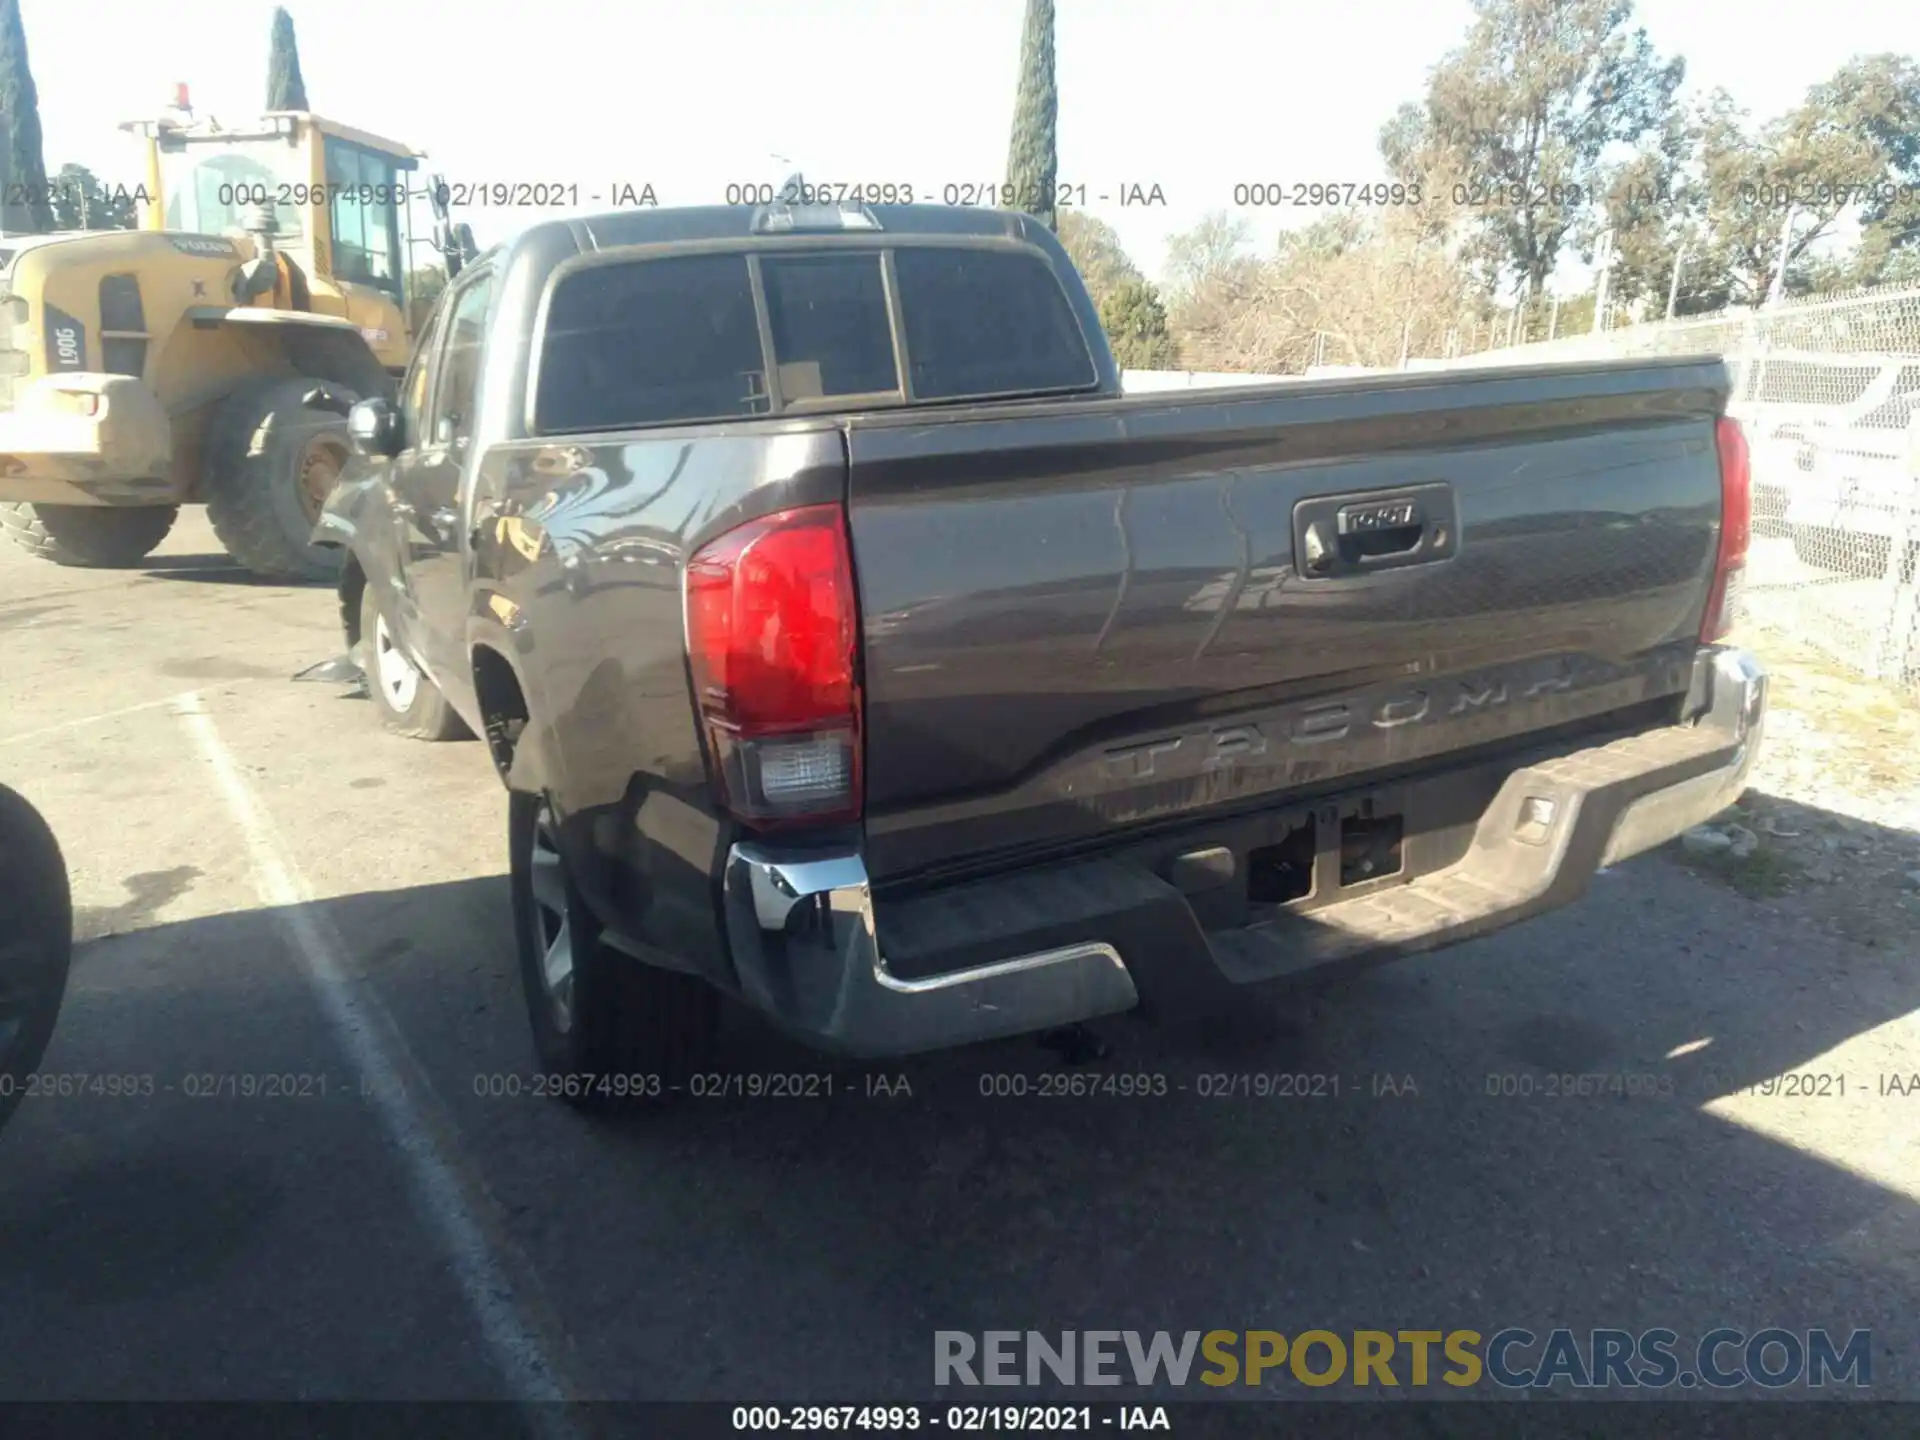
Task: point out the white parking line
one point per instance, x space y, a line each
182 698
373 1044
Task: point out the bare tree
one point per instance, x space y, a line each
1214 247
1097 253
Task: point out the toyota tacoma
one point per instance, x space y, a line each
850 646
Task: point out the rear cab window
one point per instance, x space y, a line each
986 322
827 315
680 338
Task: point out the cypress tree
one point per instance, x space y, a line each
286 90
1033 161
27 206
1136 326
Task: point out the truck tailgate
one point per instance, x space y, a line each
1083 619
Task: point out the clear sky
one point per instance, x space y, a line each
1194 96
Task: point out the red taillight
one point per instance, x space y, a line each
1736 528
772 638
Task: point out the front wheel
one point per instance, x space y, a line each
409 703
610 1030
88 537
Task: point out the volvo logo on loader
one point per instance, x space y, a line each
208 245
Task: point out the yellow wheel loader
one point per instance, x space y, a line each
211 356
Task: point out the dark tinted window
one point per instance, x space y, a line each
828 314
985 322
650 343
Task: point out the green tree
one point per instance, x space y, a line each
1136 326
81 202
1574 316
1326 237
1096 251
23 167
1879 97
286 89
1033 158
1653 205
1526 110
1719 194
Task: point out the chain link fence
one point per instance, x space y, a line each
1828 391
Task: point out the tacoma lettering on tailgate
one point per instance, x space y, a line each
1222 746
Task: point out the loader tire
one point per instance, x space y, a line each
270 459
91 537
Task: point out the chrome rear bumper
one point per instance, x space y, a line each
803 936
803 939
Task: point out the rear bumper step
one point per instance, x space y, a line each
1053 945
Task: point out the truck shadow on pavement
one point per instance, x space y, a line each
1573 1122
213 569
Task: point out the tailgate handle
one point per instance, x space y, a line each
1349 534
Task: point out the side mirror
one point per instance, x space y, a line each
375 428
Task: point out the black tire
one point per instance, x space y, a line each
36 943
423 714
90 537
629 1033
263 443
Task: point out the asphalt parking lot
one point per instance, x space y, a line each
295 954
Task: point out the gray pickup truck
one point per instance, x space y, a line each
848 644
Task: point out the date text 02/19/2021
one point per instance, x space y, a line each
960 1419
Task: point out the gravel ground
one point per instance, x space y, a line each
1831 816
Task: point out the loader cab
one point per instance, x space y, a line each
338 199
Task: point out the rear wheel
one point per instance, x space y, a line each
609 1029
409 703
272 459
100 537
36 943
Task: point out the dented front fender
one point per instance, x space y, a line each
358 518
